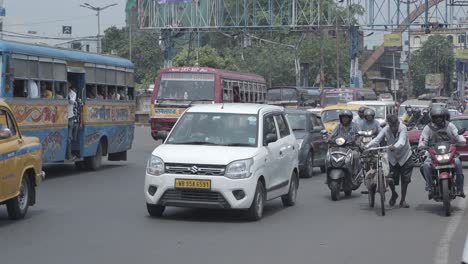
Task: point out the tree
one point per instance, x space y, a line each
207 57
435 56
146 54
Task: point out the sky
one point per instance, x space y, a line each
47 17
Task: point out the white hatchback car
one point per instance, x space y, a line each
232 156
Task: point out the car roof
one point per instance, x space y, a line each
233 108
373 102
342 107
297 111
462 116
416 103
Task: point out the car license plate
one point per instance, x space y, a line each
193 184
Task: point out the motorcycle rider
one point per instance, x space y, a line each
414 118
369 122
425 118
362 118
440 129
407 116
399 157
349 131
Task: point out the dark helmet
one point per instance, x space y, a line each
438 112
417 111
362 109
369 112
346 113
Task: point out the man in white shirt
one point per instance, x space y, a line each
33 90
71 118
399 157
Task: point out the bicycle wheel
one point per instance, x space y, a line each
381 190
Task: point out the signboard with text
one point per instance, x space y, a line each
434 81
392 42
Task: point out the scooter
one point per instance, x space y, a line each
339 164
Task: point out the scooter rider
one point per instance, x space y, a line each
362 118
369 122
349 131
437 131
399 157
425 118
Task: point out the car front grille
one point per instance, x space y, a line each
195 169
193 198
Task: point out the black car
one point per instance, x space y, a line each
313 148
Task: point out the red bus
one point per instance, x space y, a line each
345 95
178 88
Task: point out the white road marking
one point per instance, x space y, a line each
442 253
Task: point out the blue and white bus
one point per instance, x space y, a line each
34 83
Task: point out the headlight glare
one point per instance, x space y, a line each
340 141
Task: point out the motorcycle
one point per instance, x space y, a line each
339 163
444 188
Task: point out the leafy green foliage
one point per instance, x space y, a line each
435 56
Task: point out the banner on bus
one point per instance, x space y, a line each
392 42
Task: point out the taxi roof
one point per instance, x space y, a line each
342 107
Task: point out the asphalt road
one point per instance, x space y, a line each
100 217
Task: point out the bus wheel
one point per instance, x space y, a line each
95 162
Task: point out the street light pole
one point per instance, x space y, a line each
98 11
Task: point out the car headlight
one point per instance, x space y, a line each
299 142
340 141
155 166
239 169
443 158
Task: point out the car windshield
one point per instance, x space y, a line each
460 123
215 129
332 115
297 121
186 86
283 94
379 111
338 98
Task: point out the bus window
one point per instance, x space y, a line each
101 92
19 88
122 93
46 90
60 91
236 94
91 91
130 93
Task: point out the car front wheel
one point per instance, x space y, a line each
255 211
290 198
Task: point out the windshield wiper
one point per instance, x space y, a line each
238 145
298 129
194 143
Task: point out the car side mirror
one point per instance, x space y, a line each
383 124
461 131
270 138
5 133
162 135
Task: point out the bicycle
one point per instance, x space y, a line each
377 184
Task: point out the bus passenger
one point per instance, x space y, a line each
45 91
71 119
33 90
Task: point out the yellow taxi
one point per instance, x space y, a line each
20 165
330 114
